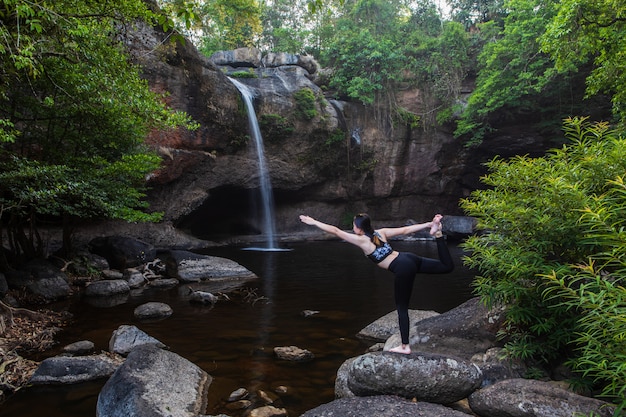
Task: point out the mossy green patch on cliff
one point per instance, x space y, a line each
336 136
249 73
305 103
408 118
275 127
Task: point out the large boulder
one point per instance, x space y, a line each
531 398
107 287
278 59
386 326
122 252
381 406
427 377
241 57
154 382
41 278
192 267
464 331
126 338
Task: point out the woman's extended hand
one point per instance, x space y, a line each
307 219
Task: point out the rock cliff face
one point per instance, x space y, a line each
328 158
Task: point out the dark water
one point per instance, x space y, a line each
234 340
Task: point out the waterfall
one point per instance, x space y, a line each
265 185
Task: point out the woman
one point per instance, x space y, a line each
404 265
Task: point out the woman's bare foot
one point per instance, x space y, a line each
404 349
435 229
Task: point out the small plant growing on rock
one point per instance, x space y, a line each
275 126
249 73
305 103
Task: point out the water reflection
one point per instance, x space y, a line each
233 341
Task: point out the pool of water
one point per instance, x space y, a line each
234 340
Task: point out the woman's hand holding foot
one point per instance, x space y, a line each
435 229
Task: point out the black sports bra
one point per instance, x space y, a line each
381 252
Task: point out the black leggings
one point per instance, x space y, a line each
405 266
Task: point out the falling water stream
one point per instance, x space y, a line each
265 184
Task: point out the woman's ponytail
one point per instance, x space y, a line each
363 222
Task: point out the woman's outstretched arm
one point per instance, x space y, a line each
329 228
407 230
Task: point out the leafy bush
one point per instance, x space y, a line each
553 252
305 103
595 291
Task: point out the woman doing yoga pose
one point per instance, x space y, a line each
375 245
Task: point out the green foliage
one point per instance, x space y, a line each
275 126
595 291
337 136
412 120
512 71
88 192
472 12
249 73
228 24
74 115
591 31
365 64
367 57
552 251
305 103
365 165
286 27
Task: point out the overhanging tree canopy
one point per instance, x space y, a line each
73 115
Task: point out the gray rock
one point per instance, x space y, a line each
74 369
341 380
154 382
41 278
293 353
79 348
278 59
495 366
122 252
386 326
464 331
381 406
427 377
531 398
153 310
191 267
164 282
268 411
126 338
241 57
202 297
112 274
238 394
52 288
134 278
107 287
